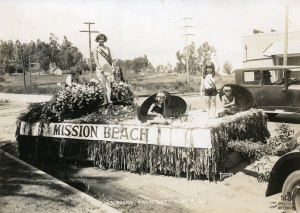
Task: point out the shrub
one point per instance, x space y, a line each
11 69
19 70
2 79
275 146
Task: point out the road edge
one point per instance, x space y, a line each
92 200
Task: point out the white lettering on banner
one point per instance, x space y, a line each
127 134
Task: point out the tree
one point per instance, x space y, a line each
192 60
191 57
158 68
227 67
140 64
83 64
150 67
65 55
168 68
69 54
10 49
205 51
179 68
4 56
55 49
28 51
43 54
128 65
11 69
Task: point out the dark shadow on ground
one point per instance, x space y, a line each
10 147
14 176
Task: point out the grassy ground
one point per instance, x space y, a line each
146 84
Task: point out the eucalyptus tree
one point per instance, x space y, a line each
205 53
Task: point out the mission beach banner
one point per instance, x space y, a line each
197 138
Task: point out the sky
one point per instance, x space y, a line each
150 27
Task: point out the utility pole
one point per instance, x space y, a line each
23 67
29 67
89 23
186 49
286 36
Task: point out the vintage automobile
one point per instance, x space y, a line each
275 89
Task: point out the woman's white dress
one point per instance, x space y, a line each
103 59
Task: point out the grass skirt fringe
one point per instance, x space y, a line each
146 158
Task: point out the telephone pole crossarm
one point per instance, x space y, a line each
89 31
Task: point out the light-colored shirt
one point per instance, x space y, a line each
209 81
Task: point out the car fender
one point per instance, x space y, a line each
286 165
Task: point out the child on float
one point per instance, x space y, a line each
157 109
72 80
228 101
210 90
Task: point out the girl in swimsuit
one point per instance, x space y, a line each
103 62
156 110
210 89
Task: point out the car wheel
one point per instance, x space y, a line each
272 115
292 186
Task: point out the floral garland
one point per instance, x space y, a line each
83 102
278 145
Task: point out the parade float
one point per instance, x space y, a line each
74 125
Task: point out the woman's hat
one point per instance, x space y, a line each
243 98
173 105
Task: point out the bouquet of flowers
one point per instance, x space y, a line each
122 91
78 101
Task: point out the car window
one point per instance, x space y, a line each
252 77
293 78
273 77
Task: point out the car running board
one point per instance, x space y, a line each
281 112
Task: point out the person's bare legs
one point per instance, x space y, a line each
207 101
213 106
103 81
108 88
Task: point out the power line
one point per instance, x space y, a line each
186 49
44 51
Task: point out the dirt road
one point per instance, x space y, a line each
129 192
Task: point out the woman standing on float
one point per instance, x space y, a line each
103 62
